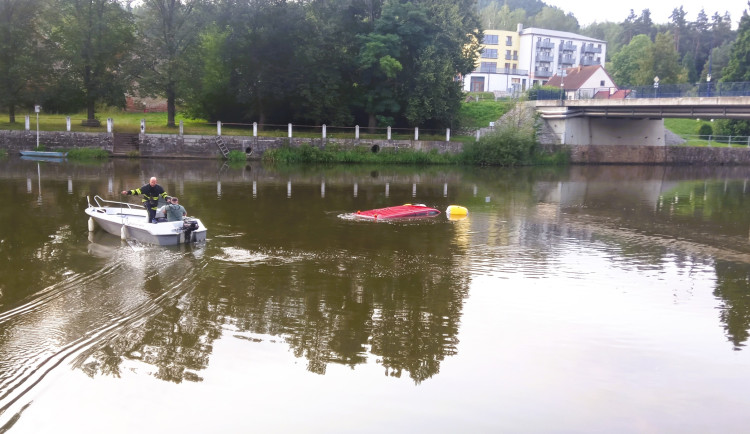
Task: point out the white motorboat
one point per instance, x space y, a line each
130 221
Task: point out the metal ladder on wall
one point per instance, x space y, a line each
222 147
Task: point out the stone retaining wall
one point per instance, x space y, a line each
190 146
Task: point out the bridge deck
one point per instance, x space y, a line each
655 108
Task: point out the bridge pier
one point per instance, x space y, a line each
583 130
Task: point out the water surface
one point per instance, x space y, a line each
582 299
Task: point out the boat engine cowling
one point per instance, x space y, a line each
188 227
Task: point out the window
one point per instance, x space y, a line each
490 67
490 39
489 53
507 66
508 40
601 83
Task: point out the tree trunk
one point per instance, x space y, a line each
12 114
372 122
171 111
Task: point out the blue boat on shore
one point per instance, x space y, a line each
44 154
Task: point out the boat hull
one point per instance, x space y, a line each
136 226
44 154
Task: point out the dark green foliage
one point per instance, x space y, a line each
704 131
732 127
504 147
356 155
87 154
236 155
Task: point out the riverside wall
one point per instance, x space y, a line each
192 146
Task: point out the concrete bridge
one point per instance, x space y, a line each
631 121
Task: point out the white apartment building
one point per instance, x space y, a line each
511 62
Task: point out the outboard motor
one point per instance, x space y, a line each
188 227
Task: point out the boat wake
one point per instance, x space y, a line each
61 324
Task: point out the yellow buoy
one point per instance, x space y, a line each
456 212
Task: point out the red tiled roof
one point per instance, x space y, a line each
575 77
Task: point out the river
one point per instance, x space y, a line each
577 299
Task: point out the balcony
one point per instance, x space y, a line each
511 71
545 44
511 57
591 49
544 57
542 73
589 61
567 60
568 47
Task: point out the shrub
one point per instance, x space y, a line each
87 154
506 146
236 156
704 131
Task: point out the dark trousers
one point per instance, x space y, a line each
151 213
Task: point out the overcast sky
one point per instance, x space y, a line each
587 11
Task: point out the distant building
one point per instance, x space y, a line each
497 67
514 61
584 82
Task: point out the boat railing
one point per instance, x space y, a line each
101 202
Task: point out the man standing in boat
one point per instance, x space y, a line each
151 193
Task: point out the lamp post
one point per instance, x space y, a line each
656 86
37 109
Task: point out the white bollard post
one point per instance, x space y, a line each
477 135
389 132
448 135
289 128
182 128
255 129
109 125
356 131
324 131
28 123
143 126
218 128
67 123
416 133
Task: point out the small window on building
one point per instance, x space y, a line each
601 83
508 40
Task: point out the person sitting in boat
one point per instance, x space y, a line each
174 211
161 214
151 193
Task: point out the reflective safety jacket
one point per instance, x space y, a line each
150 194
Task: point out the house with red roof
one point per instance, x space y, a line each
584 82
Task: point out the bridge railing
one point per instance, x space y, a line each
662 91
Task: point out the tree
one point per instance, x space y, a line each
666 60
502 18
717 61
738 69
169 29
678 25
555 19
19 42
438 40
94 38
633 64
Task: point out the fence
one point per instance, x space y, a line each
715 139
660 91
134 125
